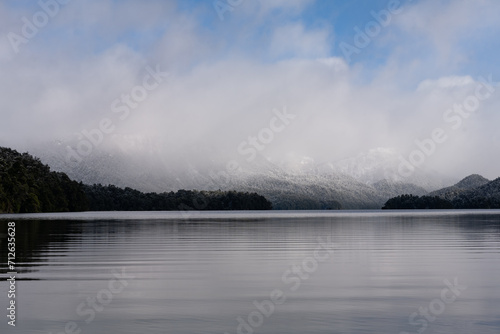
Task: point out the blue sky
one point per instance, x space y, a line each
246 29
264 54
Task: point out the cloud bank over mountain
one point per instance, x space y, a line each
424 79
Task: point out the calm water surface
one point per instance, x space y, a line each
293 272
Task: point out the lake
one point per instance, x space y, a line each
254 272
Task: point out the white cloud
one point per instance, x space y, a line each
220 92
447 23
446 82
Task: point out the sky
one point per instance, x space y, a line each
324 79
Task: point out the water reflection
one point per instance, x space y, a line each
215 276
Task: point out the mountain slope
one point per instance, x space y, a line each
485 196
383 164
389 189
470 193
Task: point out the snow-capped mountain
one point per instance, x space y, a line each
365 181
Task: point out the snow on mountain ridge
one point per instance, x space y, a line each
375 165
147 165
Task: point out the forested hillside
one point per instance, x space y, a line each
28 186
470 182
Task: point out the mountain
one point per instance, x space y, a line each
363 182
470 182
484 196
383 163
473 192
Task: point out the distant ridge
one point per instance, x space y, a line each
470 182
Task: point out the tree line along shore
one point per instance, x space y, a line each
29 186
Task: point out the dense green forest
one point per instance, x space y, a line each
484 197
28 186
111 198
416 202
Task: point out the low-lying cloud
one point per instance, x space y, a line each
226 79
